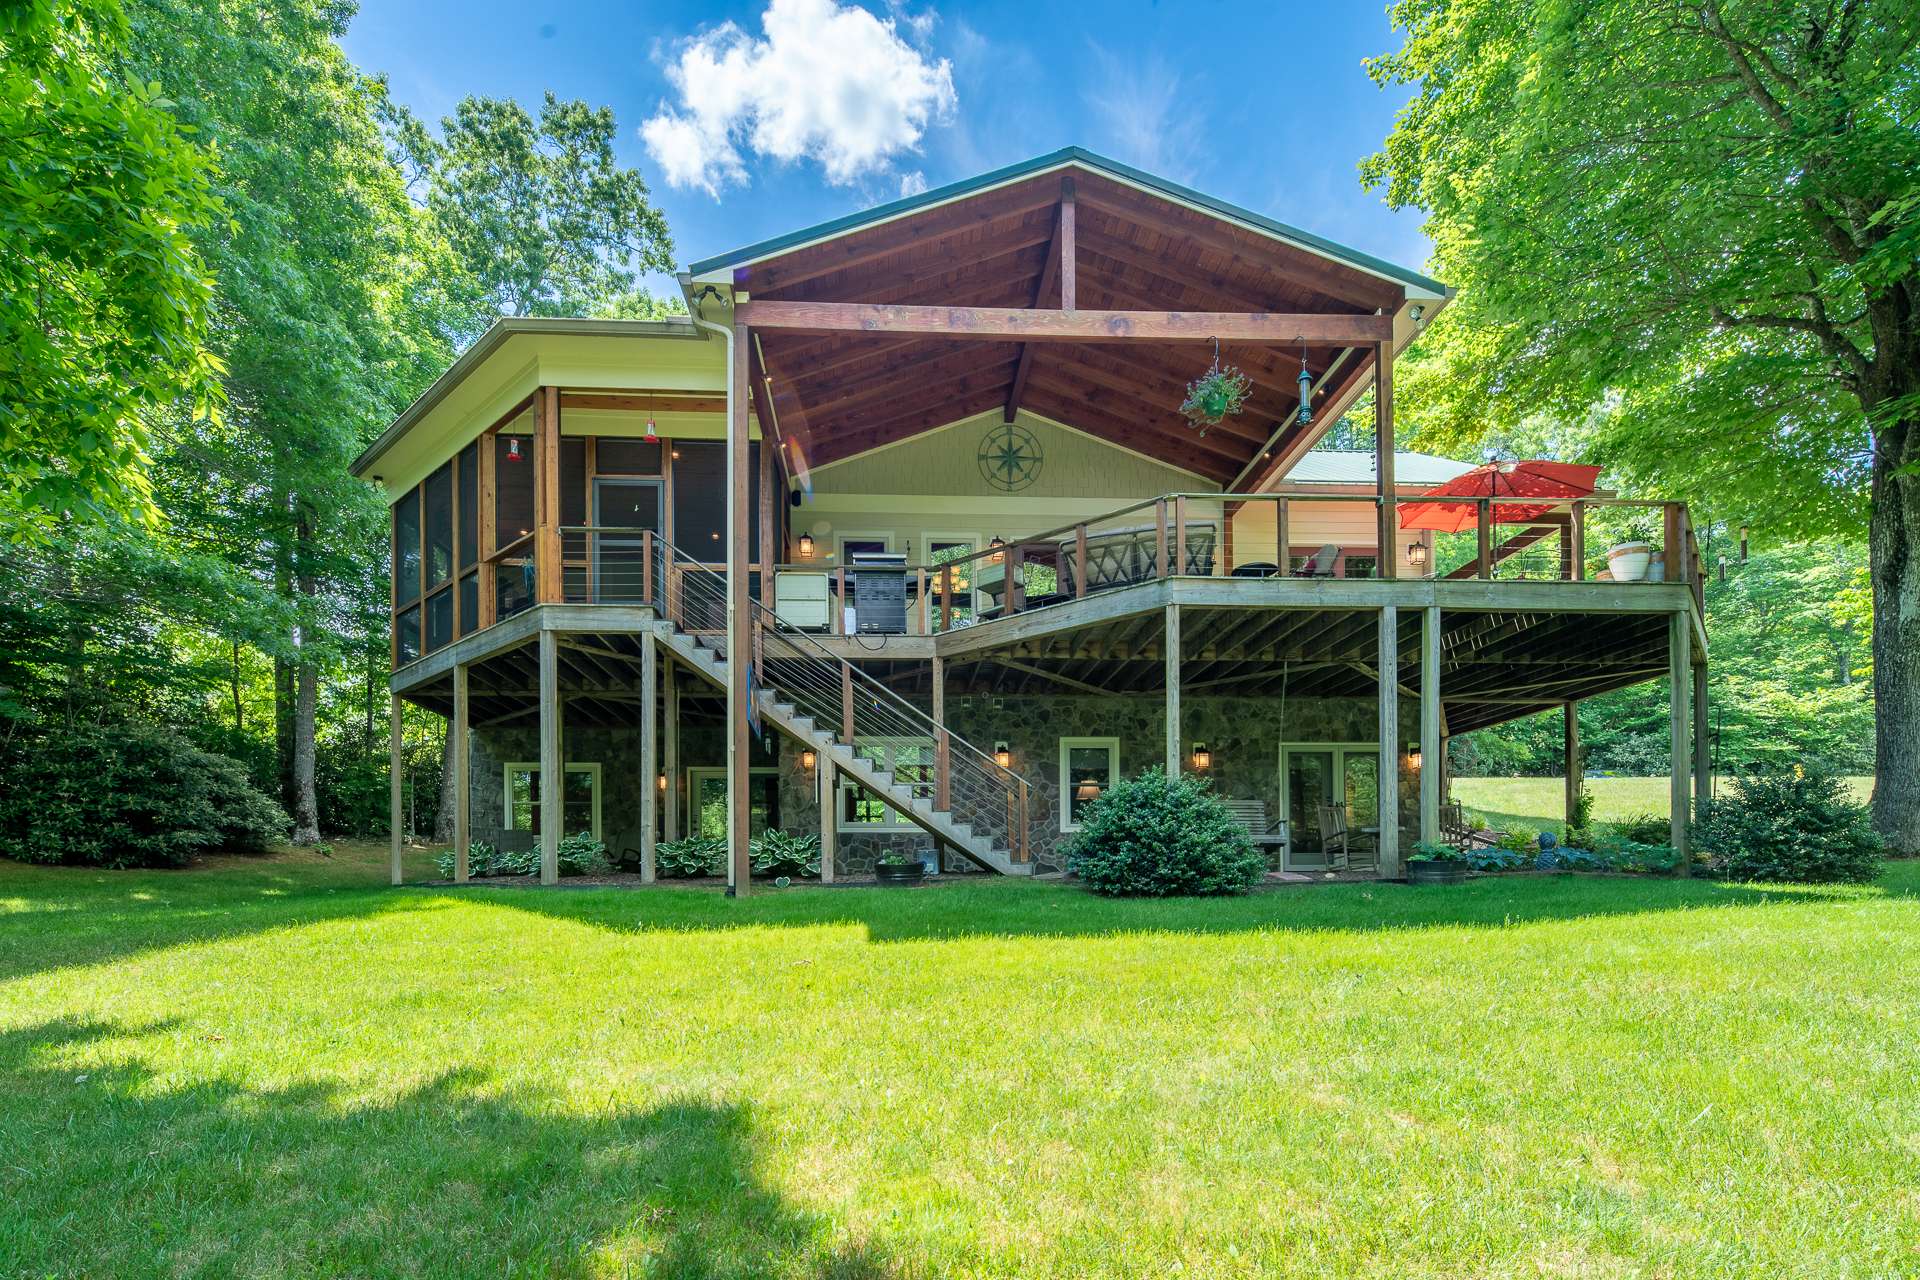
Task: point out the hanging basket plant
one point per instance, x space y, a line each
1216 395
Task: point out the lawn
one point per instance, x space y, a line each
1541 802
282 1068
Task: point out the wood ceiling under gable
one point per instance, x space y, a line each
841 394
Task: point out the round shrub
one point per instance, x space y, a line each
128 796
1800 826
1154 838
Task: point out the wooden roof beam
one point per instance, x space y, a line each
1002 323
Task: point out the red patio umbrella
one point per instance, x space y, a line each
1536 478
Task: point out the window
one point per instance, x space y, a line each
406 548
437 494
580 799
1088 767
1351 562
911 760
708 789
1316 774
940 550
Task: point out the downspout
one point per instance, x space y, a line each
737 775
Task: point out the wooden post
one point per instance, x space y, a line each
739 619
671 792
838 622
1430 746
646 567
829 820
1179 535
1389 779
552 761
395 809
649 750
1702 742
462 785
1483 523
1067 250
846 703
923 600
942 747
1577 539
1079 562
1160 538
1383 448
546 496
1673 549
1679 675
1016 577
1171 652
1574 758
1283 552
489 513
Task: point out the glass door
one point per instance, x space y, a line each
623 509
1310 784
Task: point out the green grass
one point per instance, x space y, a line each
281 1068
1541 802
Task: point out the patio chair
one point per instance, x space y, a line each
1345 851
1320 564
1458 832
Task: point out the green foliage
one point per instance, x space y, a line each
1518 840
1797 825
1214 396
773 853
691 856
1639 828
580 854
483 859
899 858
1431 851
1481 858
103 299
1652 857
1152 837
127 796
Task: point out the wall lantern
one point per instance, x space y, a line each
513 449
807 759
661 782
1202 758
1417 554
997 546
1003 755
653 434
1413 756
806 546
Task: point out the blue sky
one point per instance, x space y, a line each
750 120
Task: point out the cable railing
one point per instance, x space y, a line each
917 754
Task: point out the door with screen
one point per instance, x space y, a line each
623 510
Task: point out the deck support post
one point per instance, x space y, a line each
1574 757
1702 742
649 750
1171 647
552 760
739 616
547 553
395 809
670 794
829 820
1680 681
1383 452
1389 769
457 748
1430 745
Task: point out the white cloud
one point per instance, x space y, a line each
828 82
912 184
1147 119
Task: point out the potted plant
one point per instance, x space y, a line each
1431 863
1216 395
1627 560
896 868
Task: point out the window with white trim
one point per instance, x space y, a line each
1088 767
579 798
910 759
707 788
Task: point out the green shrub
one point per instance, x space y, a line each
129 796
693 856
1519 840
483 859
1432 851
1640 828
1153 837
1799 826
579 855
775 853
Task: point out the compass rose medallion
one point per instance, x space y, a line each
1010 458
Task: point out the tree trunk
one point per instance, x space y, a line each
306 803
1893 543
444 816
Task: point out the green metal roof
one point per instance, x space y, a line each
1040 164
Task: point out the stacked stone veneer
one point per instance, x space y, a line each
1244 736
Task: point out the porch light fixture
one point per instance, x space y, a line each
1003 755
1305 416
1417 554
653 435
1413 756
997 546
808 759
1202 758
806 546
661 782
513 448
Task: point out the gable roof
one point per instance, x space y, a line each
1076 157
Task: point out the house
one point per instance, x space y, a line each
901 537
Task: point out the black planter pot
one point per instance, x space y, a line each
1437 871
898 874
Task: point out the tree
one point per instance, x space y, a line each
1698 221
103 301
539 216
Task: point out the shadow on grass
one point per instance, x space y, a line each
114 1170
1003 908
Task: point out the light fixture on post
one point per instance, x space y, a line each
998 547
806 546
1003 755
1305 416
1417 553
1202 758
808 759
